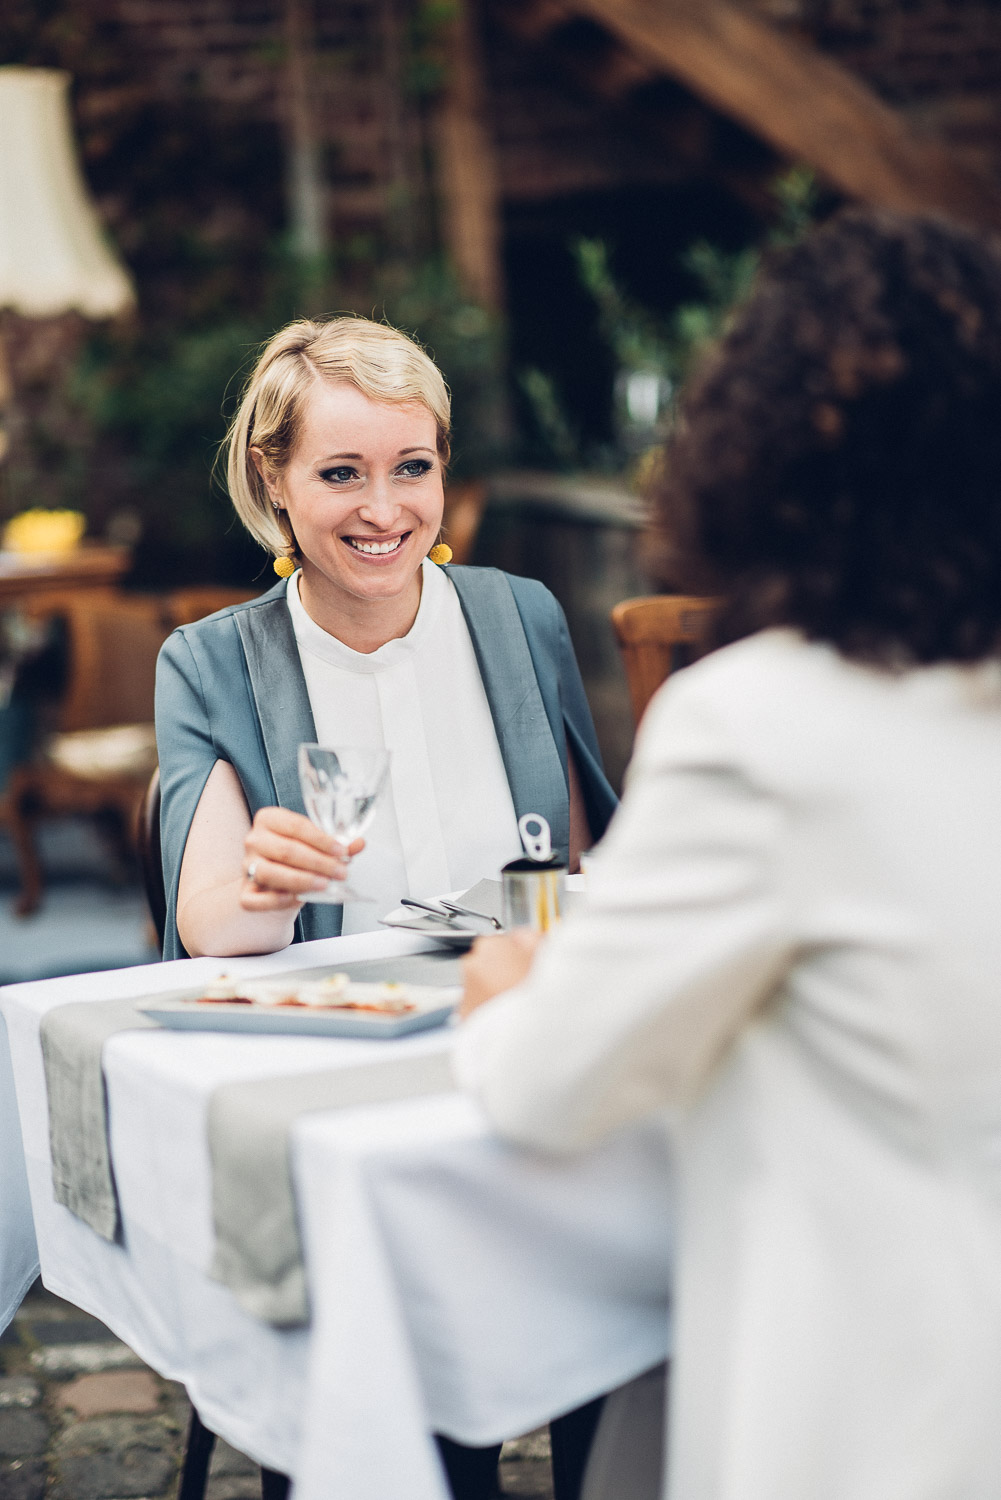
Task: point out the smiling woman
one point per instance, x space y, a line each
336 464
363 496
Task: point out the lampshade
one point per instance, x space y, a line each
54 257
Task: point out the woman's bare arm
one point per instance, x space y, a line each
219 910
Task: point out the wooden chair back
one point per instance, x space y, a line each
185 606
112 645
182 607
657 635
465 502
147 837
113 642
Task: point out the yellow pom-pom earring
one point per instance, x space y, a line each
283 566
441 553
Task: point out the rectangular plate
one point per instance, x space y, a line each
291 1020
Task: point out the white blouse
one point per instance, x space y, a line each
446 819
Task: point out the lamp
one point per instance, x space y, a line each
53 254
54 257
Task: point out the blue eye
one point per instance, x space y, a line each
415 468
343 474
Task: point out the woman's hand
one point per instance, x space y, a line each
285 857
494 964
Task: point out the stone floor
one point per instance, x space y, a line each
82 1418
92 916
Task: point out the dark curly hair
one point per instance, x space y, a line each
837 461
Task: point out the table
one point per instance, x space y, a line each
456 1284
25 575
18 1252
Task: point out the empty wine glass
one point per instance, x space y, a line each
340 788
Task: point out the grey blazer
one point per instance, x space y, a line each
231 688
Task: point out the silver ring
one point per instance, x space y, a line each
252 870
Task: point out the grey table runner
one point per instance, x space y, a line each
73 1038
258 1248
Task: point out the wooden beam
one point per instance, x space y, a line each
612 72
534 20
467 171
802 102
306 188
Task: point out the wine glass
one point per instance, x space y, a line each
340 788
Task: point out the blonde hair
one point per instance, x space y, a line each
377 360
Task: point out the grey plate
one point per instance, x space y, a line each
289 1020
452 935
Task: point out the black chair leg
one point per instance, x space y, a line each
570 1437
274 1486
197 1456
471 1472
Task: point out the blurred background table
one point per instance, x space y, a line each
38 577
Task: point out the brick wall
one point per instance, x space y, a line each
939 60
219 63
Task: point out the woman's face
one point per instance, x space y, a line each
364 493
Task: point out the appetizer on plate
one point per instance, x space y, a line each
336 992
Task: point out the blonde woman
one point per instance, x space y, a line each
336 463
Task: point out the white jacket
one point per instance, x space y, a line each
792 940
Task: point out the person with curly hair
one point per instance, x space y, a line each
791 942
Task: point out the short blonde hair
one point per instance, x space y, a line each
377 360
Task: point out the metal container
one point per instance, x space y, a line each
533 893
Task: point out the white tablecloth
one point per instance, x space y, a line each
456 1285
18 1254
461 1287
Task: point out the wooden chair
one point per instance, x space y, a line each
465 502
98 761
148 847
185 606
657 635
182 607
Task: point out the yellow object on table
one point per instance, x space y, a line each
44 531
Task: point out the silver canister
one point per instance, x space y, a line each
533 887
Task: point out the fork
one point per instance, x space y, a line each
432 911
467 911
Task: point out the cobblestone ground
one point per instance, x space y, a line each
82 1418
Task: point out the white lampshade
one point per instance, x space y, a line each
54 256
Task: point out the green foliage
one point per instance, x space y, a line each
154 400
725 278
669 347
636 336
798 198
640 340
550 418
158 400
426 301
427 68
